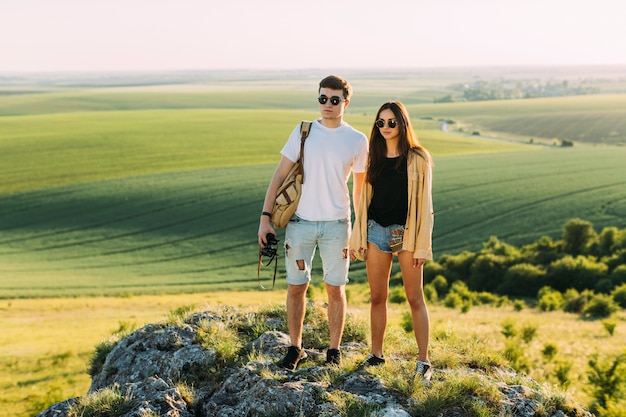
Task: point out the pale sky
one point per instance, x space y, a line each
138 35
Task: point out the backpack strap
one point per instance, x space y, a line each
305 128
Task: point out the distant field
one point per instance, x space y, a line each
597 119
51 149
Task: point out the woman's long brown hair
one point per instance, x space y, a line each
407 140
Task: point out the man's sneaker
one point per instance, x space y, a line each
292 358
423 371
333 357
372 360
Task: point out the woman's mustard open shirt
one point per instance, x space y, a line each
420 216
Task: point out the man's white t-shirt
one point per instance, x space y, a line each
330 154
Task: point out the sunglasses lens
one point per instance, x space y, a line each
322 99
380 123
335 100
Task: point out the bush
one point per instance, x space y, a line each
549 351
618 276
580 273
575 302
522 280
577 236
452 300
460 288
456 267
487 271
543 252
599 307
604 286
441 285
397 295
550 301
430 293
619 295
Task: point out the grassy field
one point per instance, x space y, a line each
151 193
597 119
152 201
48 362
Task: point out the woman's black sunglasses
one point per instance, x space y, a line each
380 123
334 100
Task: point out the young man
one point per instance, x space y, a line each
333 149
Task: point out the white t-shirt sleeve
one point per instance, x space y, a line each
360 160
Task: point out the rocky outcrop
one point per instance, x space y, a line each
179 369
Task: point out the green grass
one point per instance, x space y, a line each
152 201
196 230
593 119
46 344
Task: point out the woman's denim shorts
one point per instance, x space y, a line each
386 238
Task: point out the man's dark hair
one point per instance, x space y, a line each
336 82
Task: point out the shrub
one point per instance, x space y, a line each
577 235
430 293
619 295
487 298
518 305
580 273
609 326
397 295
441 285
607 380
575 302
543 252
550 301
522 280
600 306
549 351
508 328
528 333
562 371
460 288
452 300
618 276
457 267
407 321
432 270
487 271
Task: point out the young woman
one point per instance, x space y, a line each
395 217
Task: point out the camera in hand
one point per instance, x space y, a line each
270 248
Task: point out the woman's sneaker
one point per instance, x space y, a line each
423 371
333 357
372 360
292 358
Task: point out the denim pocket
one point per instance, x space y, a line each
397 237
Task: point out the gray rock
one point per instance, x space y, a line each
153 365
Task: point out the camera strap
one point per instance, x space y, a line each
273 258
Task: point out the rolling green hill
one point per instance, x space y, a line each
109 192
196 230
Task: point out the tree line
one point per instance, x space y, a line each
580 264
503 89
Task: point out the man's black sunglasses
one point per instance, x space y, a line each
334 100
380 123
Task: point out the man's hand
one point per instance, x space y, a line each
265 227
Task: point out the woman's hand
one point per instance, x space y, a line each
418 263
